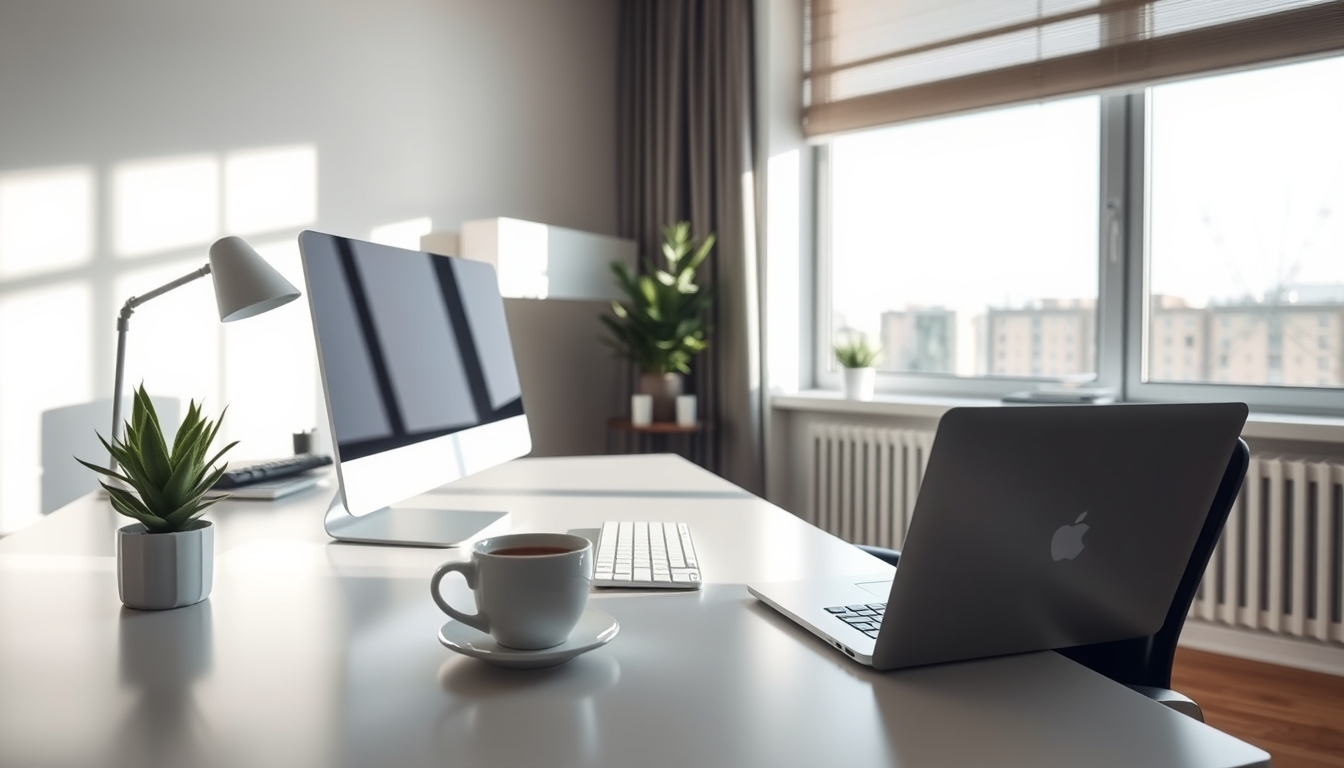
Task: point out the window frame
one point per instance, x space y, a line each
1122 298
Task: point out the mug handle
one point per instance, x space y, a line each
468 570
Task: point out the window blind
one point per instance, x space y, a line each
879 62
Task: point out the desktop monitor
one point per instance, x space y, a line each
420 384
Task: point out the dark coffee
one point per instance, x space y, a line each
530 551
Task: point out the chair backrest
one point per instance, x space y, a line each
1147 661
73 430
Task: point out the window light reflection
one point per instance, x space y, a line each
164 203
46 220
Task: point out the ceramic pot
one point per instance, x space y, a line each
158 571
665 388
859 383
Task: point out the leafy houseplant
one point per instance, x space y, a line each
664 322
857 356
856 353
165 560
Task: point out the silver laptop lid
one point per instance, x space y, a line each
1048 527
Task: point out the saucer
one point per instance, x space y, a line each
594 630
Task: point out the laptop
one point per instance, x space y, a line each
1036 527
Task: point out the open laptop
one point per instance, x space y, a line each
1035 528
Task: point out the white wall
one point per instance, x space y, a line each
134 133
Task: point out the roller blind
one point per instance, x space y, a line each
880 62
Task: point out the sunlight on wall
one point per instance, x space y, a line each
46 220
264 368
783 223
403 234
45 362
270 366
164 203
270 189
173 345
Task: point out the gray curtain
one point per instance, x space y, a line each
685 105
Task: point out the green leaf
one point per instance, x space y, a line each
166 486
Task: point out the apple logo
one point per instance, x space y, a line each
1068 540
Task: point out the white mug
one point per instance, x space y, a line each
686 410
527 598
641 410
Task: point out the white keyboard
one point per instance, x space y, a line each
646 556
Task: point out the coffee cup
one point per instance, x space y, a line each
530 588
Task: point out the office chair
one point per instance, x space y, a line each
1144 663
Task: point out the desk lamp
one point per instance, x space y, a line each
245 285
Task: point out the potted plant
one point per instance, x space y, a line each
166 559
664 321
857 357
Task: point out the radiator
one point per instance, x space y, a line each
863 481
1278 568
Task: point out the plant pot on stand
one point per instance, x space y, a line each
859 383
665 388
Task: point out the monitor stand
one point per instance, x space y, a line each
409 527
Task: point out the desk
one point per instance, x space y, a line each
317 653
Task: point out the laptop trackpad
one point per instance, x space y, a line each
881 589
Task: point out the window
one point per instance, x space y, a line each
1246 211
991 252
1008 196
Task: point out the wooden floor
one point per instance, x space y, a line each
1296 716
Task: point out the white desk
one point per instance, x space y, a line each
316 653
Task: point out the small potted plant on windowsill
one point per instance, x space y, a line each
857 357
166 559
664 322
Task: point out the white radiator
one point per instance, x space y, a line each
863 481
1279 567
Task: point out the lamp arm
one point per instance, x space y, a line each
123 325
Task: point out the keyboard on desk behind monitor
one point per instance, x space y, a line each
646 556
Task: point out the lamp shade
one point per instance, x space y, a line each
245 285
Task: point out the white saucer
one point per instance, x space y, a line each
594 630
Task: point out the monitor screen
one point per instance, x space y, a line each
414 346
419 375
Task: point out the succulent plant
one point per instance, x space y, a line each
664 322
169 484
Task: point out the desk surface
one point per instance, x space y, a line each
317 653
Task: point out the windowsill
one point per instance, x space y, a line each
1276 426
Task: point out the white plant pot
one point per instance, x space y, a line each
859 383
158 571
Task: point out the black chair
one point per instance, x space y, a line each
1144 663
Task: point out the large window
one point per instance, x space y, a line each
968 246
1246 228
1184 241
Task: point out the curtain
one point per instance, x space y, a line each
686 124
880 62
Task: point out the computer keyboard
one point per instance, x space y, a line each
271 470
646 556
865 618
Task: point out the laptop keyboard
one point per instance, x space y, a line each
865 618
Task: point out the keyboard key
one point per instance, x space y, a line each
836 609
877 606
856 608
